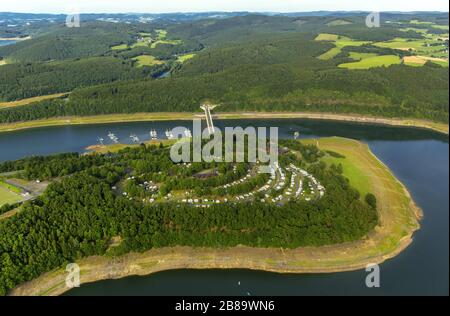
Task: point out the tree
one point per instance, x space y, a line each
371 200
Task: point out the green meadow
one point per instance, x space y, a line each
9 194
339 41
146 60
186 57
426 47
371 62
169 42
120 47
360 56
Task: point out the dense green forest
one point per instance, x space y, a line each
81 211
244 63
58 43
398 91
24 80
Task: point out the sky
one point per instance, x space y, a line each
163 6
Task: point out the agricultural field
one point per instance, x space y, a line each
169 42
339 41
422 60
431 24
371 62
146 60
148 40
162 34
184 58
339 22
423 47
120 47
432 47
161 38
143 43
360 56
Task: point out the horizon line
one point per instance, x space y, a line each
224 11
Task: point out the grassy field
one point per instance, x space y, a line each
402 44
162 34
146 60
361 56
140 44
186 57
330 54
431 46
9 194
371 62
9 187
8 197
421 60
352 172
398 220
112 148
169 42
431 24
120 47
339 41
339 22
426 47
4 105
327 37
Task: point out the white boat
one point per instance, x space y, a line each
113 137
153 134
134 138
169 134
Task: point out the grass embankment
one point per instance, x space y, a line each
398 220
4 105
112 148
168 116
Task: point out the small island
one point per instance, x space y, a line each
329 206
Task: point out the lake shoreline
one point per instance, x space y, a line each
177 116
399 218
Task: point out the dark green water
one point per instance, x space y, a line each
419 158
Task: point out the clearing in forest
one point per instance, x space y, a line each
371 62
339 41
